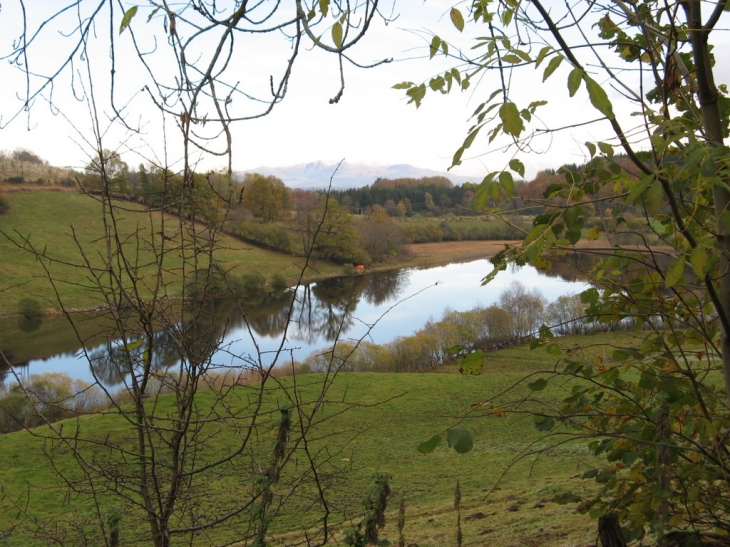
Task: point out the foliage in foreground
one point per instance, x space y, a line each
658 414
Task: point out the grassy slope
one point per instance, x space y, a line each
383 438
50 219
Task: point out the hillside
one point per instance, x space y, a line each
58 223
23 169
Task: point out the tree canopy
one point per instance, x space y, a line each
266 197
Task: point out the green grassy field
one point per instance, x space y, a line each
54 222
506 492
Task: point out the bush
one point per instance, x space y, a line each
265 235
31 314
278 282
15 179
4 205
207 283
253 282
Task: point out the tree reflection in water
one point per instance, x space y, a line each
320 312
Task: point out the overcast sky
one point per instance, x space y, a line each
372 122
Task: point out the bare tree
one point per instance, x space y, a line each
157 283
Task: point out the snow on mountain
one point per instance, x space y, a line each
350 175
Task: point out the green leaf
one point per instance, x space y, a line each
434 48
554 349
544 423
511 120
404 85
523 55
594 233
552 66
654 198
154 12
472 364
454 350
324 6
538 385
133 345
457 18
574 79
639 188
674 272
460 440
541 55
507 182
591 148
417 93
700 260
517 166
507 16
128 15
607 149
470 137
444 48
494 190
437 83
337 34
512 59
430 444
598 97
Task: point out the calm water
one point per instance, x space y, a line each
378 307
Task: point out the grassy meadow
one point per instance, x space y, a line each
60 224
507 491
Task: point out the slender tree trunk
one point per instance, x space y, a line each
708 96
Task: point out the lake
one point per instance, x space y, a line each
377 307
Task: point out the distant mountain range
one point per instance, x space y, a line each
350 175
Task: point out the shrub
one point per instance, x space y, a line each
253 282
278 282
31 314
265 235
207 283
4 205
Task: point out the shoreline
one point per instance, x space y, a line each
418 255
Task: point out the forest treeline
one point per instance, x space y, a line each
356 225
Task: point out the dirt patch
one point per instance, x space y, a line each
453 251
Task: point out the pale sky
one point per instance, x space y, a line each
371 123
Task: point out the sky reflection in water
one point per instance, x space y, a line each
394 304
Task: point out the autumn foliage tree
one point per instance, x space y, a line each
657 412
266 197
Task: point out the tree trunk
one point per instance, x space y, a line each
609 531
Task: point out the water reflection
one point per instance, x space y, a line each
257 325
319 312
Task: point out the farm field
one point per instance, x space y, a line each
373 425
